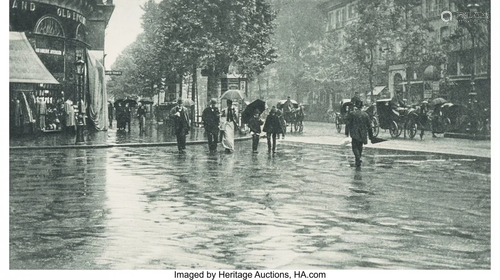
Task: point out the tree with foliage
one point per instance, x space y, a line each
368 36
212 34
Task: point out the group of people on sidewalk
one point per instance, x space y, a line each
123 114
224 124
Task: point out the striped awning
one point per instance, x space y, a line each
24 64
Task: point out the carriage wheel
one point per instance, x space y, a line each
338 125
394 129
375 127
411 129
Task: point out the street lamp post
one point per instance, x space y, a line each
80 68
473 7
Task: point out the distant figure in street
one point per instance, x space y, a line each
358 126
356 100
288 106
127 116
180 117
141 115
423 112
255 124
110 113
230 121
282 121
272 127
120 116
211 121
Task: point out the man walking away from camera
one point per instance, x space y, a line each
358 126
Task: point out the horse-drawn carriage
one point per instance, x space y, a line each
294 115
392 117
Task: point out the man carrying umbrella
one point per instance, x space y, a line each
182 126
211 121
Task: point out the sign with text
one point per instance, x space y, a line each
112 72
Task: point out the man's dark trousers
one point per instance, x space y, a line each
357 149
181 141
255 142
212 141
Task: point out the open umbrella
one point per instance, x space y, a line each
122 101
437 101
233 94
250 110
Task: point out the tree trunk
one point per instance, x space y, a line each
212 83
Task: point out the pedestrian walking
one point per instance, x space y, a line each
255 124
127 116
120 117
282 121
272 127
141 115
111 114
358 126
181 123
230 121
211 122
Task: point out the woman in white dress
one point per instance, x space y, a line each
229 124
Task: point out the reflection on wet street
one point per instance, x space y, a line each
304 208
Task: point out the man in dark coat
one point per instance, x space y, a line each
272 127
211 121
182 126
358 126
254 124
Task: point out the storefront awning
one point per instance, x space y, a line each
24 64
376 90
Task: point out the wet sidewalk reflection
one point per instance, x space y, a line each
304 208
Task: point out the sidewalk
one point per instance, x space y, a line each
155 135
314 133
325 134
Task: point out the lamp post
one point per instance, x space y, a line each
473 7
80 68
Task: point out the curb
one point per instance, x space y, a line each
105 146
398 149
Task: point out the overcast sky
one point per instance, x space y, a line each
123 28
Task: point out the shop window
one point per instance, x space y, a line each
81 33
49 26
445 33
452 64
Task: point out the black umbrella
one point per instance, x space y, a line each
119 101
130 102
251 108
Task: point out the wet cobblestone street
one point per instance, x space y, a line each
304 208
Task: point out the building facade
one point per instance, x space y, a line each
62 32
466 68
